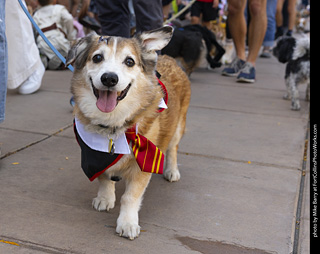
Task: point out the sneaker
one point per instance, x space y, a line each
247 73
33 83
234 68
266 52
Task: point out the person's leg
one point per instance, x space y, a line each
237 26
271 23
195 13
114 16
268 40
292 15
166 7
148 13
209 13
257 28
279 19
238 30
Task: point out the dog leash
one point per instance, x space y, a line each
43 36
179 13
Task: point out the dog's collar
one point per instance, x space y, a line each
164 101
100 143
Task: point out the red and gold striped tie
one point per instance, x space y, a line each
148 156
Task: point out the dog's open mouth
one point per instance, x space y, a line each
108 100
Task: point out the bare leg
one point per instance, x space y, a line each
237 25
195 20
279 18
291 14
257 28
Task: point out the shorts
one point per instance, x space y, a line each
208 12
166 2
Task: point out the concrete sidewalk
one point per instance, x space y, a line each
240 162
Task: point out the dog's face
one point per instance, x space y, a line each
113 75
284 49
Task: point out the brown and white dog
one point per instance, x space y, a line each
115 89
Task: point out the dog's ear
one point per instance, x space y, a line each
156 39
285 47
79 50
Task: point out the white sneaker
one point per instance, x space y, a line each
33 83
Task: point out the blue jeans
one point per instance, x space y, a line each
3 61
268 40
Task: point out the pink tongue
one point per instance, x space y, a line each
107 101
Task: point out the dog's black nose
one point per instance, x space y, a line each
109 79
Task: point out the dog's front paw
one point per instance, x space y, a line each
295 108
102 204
172 175
130 230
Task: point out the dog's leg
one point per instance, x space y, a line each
171 172
295 103
128 220
287 95
106 194
308 91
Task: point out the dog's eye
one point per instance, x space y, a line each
129 62
97 58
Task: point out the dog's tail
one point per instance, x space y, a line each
302 48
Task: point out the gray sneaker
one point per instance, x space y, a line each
247 73
234 68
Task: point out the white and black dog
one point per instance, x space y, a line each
296 53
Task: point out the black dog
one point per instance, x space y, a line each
190 43
296 53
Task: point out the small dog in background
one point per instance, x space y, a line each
303 20
187 48
192 43
296 53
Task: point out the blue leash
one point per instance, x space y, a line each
43 36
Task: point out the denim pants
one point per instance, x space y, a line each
3 61
268 40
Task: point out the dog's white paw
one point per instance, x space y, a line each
102 204
129 230
172 175
295 106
